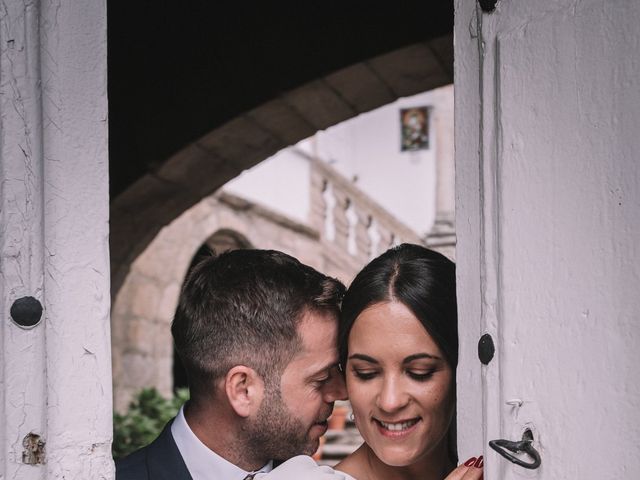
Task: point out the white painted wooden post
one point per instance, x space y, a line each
55 378
548 215
470 240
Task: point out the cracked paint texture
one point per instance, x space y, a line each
55 379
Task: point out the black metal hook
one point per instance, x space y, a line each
524 445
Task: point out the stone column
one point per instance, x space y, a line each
55 363
442 235
445 167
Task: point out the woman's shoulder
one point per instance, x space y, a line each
348 474
352 466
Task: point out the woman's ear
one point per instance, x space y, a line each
244 389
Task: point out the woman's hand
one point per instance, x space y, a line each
472 469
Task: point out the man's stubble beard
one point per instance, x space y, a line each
276 433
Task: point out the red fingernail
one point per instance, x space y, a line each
470 462
479 462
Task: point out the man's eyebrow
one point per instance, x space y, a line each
418 356
366 358
325 369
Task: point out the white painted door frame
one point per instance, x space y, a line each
548 221
55 376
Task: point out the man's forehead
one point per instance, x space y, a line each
318 354
314 323
318 333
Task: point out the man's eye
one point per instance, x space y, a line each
420 376
365 374
320 382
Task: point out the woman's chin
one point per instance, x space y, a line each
396 456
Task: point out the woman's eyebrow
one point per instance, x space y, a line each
366 358
418 356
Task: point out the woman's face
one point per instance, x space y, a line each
399 384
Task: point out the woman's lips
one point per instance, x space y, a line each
397 429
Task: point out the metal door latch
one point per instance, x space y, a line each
525 445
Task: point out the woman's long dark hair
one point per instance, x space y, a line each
422 280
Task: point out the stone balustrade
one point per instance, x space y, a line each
351 221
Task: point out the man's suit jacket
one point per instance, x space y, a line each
160 460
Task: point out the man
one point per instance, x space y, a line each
256 332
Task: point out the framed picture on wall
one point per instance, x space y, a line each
414 125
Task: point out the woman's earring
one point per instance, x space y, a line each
352 417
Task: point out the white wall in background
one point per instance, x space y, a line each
281 182
365 149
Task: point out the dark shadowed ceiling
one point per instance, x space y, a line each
177 70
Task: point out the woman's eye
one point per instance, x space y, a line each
420 376
364 374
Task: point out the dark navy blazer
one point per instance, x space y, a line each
160 460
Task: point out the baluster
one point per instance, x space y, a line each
318 210
340 219
352 222
330 203
362 236
375 237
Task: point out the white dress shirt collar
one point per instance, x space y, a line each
203 463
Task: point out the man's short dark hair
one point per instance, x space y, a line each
243 307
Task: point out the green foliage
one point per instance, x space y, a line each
147 415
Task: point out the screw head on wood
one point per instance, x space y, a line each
26 312
486 349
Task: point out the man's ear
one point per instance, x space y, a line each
244 389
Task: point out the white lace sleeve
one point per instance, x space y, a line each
304 467
346 476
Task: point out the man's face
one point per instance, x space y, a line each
291 420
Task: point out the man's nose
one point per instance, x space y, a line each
335 389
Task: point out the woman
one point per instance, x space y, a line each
399 350
398 344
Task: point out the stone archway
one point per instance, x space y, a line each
226 239
154 200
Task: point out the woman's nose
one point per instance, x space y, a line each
391 396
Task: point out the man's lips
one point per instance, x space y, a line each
323 426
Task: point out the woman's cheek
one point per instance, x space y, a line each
359 392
